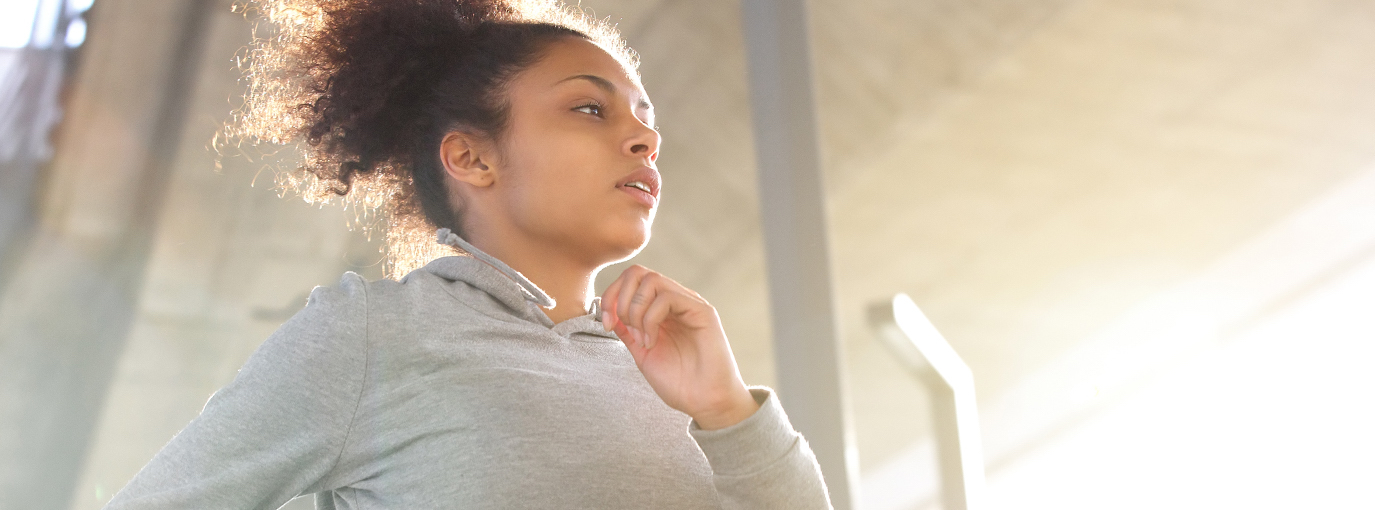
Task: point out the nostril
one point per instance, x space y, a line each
638 148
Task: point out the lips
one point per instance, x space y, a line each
644 181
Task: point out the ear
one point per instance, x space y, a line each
466 158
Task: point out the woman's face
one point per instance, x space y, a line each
576 171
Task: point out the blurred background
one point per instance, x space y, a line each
1148 226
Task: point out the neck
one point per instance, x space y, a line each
567 281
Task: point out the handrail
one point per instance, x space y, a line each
917 343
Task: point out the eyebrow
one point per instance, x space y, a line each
606 85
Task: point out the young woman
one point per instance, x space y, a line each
492 378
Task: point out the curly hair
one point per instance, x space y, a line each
365 90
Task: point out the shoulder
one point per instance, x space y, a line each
339 308
387 314
447 287
331 329
354 297
350 293
449 299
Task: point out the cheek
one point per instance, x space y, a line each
562 188
556 183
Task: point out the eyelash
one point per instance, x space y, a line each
598 108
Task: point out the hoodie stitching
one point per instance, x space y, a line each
363 384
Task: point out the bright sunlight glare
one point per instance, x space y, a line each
16 22
1246 387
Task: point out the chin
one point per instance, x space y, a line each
626 243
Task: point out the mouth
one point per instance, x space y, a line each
644 181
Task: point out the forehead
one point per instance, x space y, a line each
571 56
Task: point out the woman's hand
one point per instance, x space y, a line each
679 345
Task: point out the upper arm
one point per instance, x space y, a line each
276 430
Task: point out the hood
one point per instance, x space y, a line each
505 284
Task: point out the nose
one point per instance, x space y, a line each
644 142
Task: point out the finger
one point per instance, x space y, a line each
637 350
628 334
609 303
611 298
654 318
632 276
640 299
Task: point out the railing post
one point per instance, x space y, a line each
924 351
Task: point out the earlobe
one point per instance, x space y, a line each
464 160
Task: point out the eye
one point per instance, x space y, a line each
592 108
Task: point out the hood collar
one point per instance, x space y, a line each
531 291
510 287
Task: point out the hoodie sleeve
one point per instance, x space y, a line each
277 430
762 462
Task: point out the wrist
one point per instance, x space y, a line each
739 406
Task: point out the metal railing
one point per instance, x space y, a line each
924 351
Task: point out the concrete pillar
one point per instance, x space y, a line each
65 312
792 206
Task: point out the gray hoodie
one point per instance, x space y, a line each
452 389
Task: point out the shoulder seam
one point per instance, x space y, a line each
363 383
